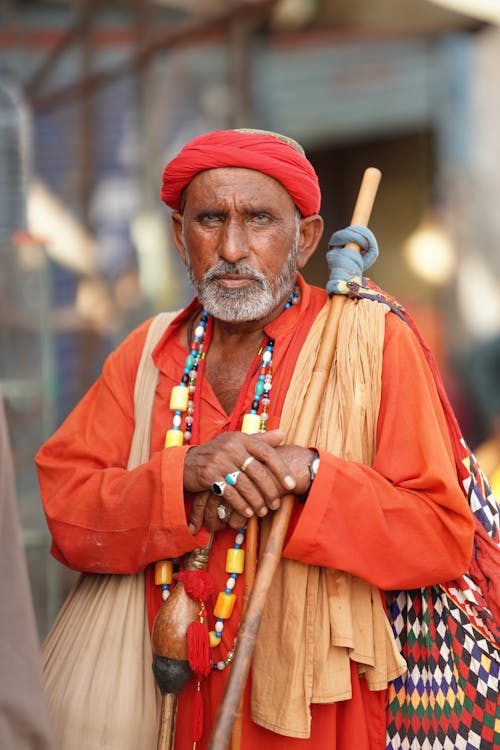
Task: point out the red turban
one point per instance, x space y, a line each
256 150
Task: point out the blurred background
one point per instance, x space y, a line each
96 96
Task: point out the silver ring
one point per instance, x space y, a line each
246 463
223 512
232 478
218 487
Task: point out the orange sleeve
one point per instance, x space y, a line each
404 522
102 517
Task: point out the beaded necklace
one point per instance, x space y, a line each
182 402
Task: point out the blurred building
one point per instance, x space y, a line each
96 96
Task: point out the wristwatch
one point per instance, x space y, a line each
313 470
314 465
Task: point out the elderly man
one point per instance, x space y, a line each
378 503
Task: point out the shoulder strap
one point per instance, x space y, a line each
144 391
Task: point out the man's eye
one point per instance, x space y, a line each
261 218
209 220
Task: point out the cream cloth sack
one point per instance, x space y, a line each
97 656
317 620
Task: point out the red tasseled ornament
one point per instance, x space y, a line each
198 584
197 716
198 648
485 570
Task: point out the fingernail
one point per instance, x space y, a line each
248 512
263 511
274 505
290 482
191 528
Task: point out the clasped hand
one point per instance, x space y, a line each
276 470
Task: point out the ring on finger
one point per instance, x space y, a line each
218 487
232 478
246 463
223 512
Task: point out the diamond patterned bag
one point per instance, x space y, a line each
449 634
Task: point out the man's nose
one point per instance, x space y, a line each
234 245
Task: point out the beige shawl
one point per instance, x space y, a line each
316 619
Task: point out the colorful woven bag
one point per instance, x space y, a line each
449 634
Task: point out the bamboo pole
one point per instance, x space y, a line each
247 635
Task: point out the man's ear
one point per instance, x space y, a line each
177 234
311 230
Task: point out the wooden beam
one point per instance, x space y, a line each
70 37
185 33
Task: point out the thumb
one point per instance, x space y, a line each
197 511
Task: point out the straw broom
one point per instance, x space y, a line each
247 636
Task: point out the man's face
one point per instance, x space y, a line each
239 237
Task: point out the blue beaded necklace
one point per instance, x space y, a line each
182 401
182 396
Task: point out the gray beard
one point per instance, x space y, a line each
254 302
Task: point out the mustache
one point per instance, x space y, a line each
223 268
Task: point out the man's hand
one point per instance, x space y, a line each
274 471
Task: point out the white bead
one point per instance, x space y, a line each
188 435
230 583
198 331
219 627
240 538
176 421
165 594
266 357
221 665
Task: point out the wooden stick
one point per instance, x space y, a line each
168 715
249 579
247 635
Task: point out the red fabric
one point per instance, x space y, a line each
230 148
197 583
402 523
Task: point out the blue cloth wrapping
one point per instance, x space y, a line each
346 264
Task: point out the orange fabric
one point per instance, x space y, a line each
402 523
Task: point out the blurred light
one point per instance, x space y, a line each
157 275
294 13
430 254
485 10
94 304
65 238
478 291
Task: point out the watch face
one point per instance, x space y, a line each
313 468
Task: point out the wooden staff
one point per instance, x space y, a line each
268 564
249 579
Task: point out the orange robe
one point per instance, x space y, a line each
401 523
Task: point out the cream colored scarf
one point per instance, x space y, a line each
317 619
